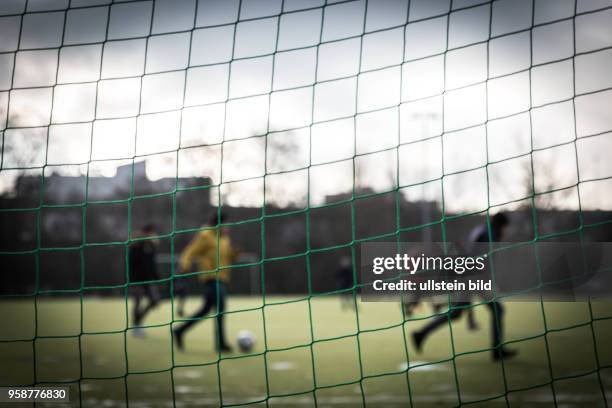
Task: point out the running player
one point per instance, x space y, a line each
209 246
481 234
143 268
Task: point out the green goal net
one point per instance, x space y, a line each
316 126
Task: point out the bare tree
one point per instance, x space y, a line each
547 176
20 153
282 154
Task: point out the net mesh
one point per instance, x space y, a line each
195 16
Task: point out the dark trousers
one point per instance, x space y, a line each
457 309
180 294
143 291
214 296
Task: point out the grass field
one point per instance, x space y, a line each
310 345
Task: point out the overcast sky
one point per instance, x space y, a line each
381 89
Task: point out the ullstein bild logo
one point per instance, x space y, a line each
432 285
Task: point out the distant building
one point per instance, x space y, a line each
345 196
111 203
60 189
384 199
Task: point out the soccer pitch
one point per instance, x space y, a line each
348 359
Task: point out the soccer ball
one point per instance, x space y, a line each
246 340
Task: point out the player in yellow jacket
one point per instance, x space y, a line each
211 250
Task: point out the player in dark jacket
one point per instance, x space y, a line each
142 269
344 279
479 235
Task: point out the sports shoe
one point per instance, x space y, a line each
504 353
178 339
225 349
417 338
139 333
